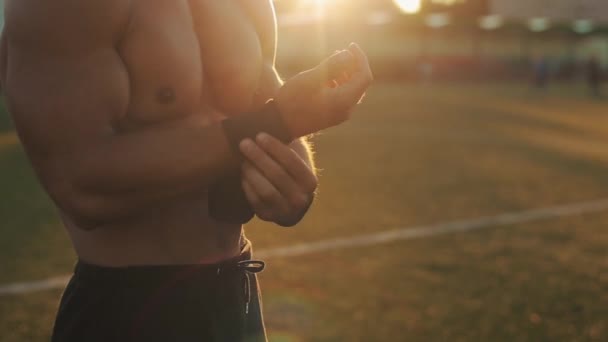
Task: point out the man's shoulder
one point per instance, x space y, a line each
65 21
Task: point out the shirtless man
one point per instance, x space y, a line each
130 112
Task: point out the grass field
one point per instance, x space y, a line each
411 156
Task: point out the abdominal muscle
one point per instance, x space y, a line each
180 232
176 231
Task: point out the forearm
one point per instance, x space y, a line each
129 172
303 147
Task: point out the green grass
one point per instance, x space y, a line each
411 156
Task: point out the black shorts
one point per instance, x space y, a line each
219 302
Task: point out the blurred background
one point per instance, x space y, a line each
467 199
450 39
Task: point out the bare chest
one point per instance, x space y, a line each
184 55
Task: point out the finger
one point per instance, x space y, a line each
344 97
361 61
292 163
264 189
344 78
332 84
272 171
261 209
252 196
332 67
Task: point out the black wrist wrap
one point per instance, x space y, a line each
227 201
268 120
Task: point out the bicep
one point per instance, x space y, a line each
63 107
65 103
64 80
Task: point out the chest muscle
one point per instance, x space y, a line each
182 55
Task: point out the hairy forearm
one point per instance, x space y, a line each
303 147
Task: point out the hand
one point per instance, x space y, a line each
326 95
277 182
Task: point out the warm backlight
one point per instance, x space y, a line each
408 6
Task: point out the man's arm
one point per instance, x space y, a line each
65 87
279 180
302 146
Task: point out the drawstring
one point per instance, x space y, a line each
250 267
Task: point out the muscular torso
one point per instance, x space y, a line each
183 56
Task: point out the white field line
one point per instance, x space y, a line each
374 239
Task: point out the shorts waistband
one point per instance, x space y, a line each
241 262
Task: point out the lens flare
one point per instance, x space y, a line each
408 6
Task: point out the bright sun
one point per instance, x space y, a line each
408 6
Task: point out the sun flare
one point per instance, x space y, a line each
408 6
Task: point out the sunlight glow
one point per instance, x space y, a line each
319 5
448 2
408 6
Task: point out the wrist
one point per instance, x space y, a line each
296 118
247 126
304 148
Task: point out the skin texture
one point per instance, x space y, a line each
124 131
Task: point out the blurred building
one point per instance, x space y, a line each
495 38
462 38
557 10
580 25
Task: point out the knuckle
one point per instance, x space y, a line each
255 200
264 215
312 185
256 203
272 143
259 207
267 195
298 201
255 155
